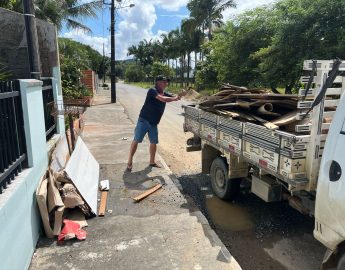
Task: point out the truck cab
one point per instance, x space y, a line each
330 207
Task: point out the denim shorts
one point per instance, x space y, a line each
143 127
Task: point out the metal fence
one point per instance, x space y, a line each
48 107
12 137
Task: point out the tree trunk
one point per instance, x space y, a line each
182 69
176 70
188 67
288 88
274 90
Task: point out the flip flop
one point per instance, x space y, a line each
155 165
129 167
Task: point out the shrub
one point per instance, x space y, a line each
206 76
134 73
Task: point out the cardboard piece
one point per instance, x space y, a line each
41 195
83 170
54 198
58 220
71 197
60 155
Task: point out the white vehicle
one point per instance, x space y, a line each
305 167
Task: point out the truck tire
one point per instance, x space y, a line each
224 188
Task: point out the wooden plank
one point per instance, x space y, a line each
264 122
285 119
147 193
103 203
265 96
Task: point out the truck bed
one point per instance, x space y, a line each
293 157
279 153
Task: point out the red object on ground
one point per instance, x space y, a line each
71 230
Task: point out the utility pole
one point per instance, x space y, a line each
32 40
112 63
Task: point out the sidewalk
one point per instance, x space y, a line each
160 232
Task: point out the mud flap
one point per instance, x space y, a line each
329 260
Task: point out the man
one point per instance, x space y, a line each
149 117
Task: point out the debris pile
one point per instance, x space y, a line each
67 193
254 105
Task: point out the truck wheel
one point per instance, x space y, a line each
222 186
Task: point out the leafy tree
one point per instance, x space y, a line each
305 30
70 79
75 57
208 13
230 52
59 12
206 76
134 73
161 69
8 4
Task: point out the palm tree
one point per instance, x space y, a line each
167 46
208 13
190 28
60 11
133 50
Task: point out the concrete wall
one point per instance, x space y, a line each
20 221
13 45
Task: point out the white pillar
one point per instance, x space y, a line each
33 114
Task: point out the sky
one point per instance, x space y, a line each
148 19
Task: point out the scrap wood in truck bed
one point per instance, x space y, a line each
254 105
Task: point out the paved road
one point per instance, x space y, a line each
172 138
261 236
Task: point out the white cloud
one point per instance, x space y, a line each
169 5
135 24
94 42
242 5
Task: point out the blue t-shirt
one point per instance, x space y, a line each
153 108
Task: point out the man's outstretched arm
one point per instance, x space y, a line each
167 99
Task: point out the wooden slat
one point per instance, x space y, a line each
147 193
103 203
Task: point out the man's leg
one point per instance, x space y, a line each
153 136
132 151
153 149
139 133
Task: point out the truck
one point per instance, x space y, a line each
304 166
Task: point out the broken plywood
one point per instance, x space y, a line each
83 170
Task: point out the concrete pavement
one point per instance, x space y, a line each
161 232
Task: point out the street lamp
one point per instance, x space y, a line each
112 34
